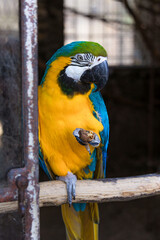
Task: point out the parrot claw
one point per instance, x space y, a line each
77 136
85 138
96 141
70 179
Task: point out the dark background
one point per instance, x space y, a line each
133 103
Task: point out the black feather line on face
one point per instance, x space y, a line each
69 87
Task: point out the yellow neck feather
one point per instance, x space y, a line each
51 77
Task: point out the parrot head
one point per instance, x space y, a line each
86 65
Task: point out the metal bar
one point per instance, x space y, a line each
9 193
26 179
30 115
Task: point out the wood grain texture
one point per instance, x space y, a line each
53 193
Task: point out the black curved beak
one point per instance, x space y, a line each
97 74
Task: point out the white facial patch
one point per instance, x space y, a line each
75 71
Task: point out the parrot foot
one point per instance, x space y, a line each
70 179
85 137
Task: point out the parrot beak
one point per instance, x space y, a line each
97 74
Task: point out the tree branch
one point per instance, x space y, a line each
53 193
97 17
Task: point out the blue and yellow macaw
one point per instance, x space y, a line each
69 101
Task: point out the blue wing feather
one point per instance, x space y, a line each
101 114
43 164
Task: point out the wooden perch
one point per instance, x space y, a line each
53 193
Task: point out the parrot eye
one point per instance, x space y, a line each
79 57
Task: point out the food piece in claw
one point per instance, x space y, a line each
86 137
70 179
